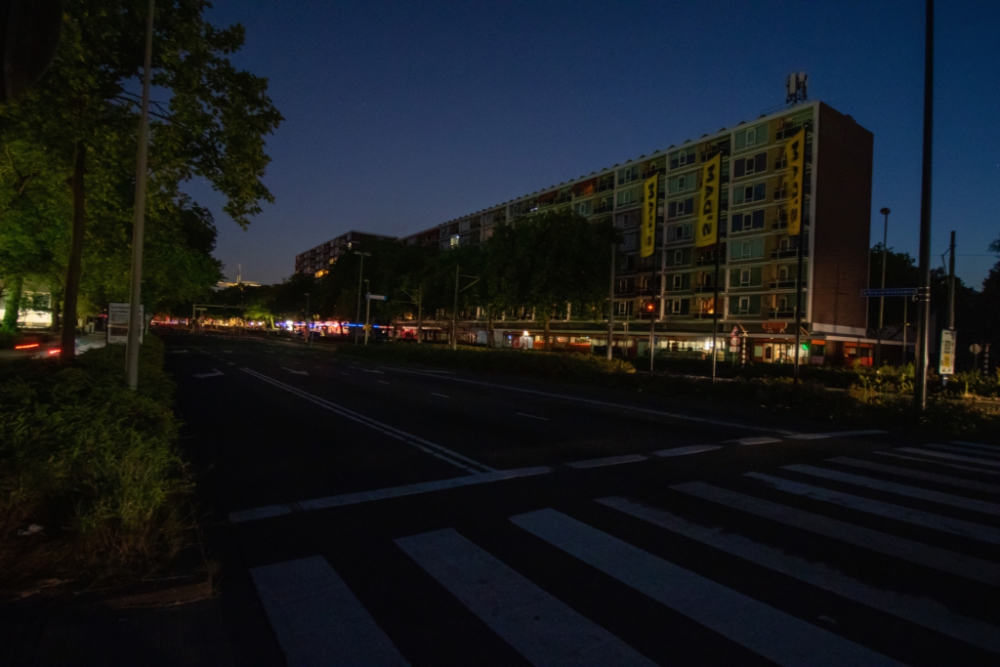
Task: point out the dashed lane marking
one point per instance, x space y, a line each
683 451
607 461
525 414
762 440
383 494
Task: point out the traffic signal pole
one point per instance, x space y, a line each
924 288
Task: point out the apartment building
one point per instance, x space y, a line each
758 264
317 260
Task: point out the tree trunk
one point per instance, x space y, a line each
420 315
490 342
13 307
74 265
55 299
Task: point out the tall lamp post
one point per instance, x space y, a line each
924 287
881 299
361 273
308 320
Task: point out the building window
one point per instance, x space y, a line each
628 197
755 136
628 175
755 164
752 277
630 241
676 209
682 158
678 257
678 232
583 208
745 194
678 282
744 305
744 222
748 249
684 183
453 241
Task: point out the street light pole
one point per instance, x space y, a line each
361 273
308 320
611 304
454 314
368 308
924 288
138 227
881 299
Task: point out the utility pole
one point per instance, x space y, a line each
715 301
368 308
951 284
798 296
924 288
308 320
454 313
361 273
611 303
881 299
138 228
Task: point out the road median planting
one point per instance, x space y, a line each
92 487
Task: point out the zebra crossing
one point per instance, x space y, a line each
755 565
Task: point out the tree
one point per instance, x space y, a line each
548 262
211 123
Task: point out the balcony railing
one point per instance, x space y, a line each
605 187
653 172
783 284
702 289
604 208
781 313
782 254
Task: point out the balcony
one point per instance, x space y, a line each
653 172
779 224
781 314
705 260
604 187
783 254
604 208
706 289
788 283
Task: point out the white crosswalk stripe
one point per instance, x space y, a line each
540 627
923 612
917 517
968 451
764 630
318 620
900 489
952 457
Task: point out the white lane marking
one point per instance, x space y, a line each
441 395
176 351
230 363
382 382
692 449
968 451
437 451
593 401
294 371
834 434
607 461
779 637
977 445
944 524
950 457
992 509
316 617
922 611
227 351
342 373
753 441
939 463
215 373
960 565
543 629
525 414
384 494
370 370
918 474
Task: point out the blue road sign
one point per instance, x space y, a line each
890 291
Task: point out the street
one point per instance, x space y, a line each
365 513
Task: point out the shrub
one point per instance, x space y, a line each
92 462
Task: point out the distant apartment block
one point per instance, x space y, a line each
758 277
317 261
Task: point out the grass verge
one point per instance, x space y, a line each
95 465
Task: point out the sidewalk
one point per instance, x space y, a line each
61 633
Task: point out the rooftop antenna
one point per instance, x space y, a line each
795 87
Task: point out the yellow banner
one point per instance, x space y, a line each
706 230
647 241
795 155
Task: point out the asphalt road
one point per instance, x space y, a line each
370 514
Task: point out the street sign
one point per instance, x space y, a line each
946 365
118 316
975 348
890 291
377 297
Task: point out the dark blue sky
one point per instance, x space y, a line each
401 115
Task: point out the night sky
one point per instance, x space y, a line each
401 115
